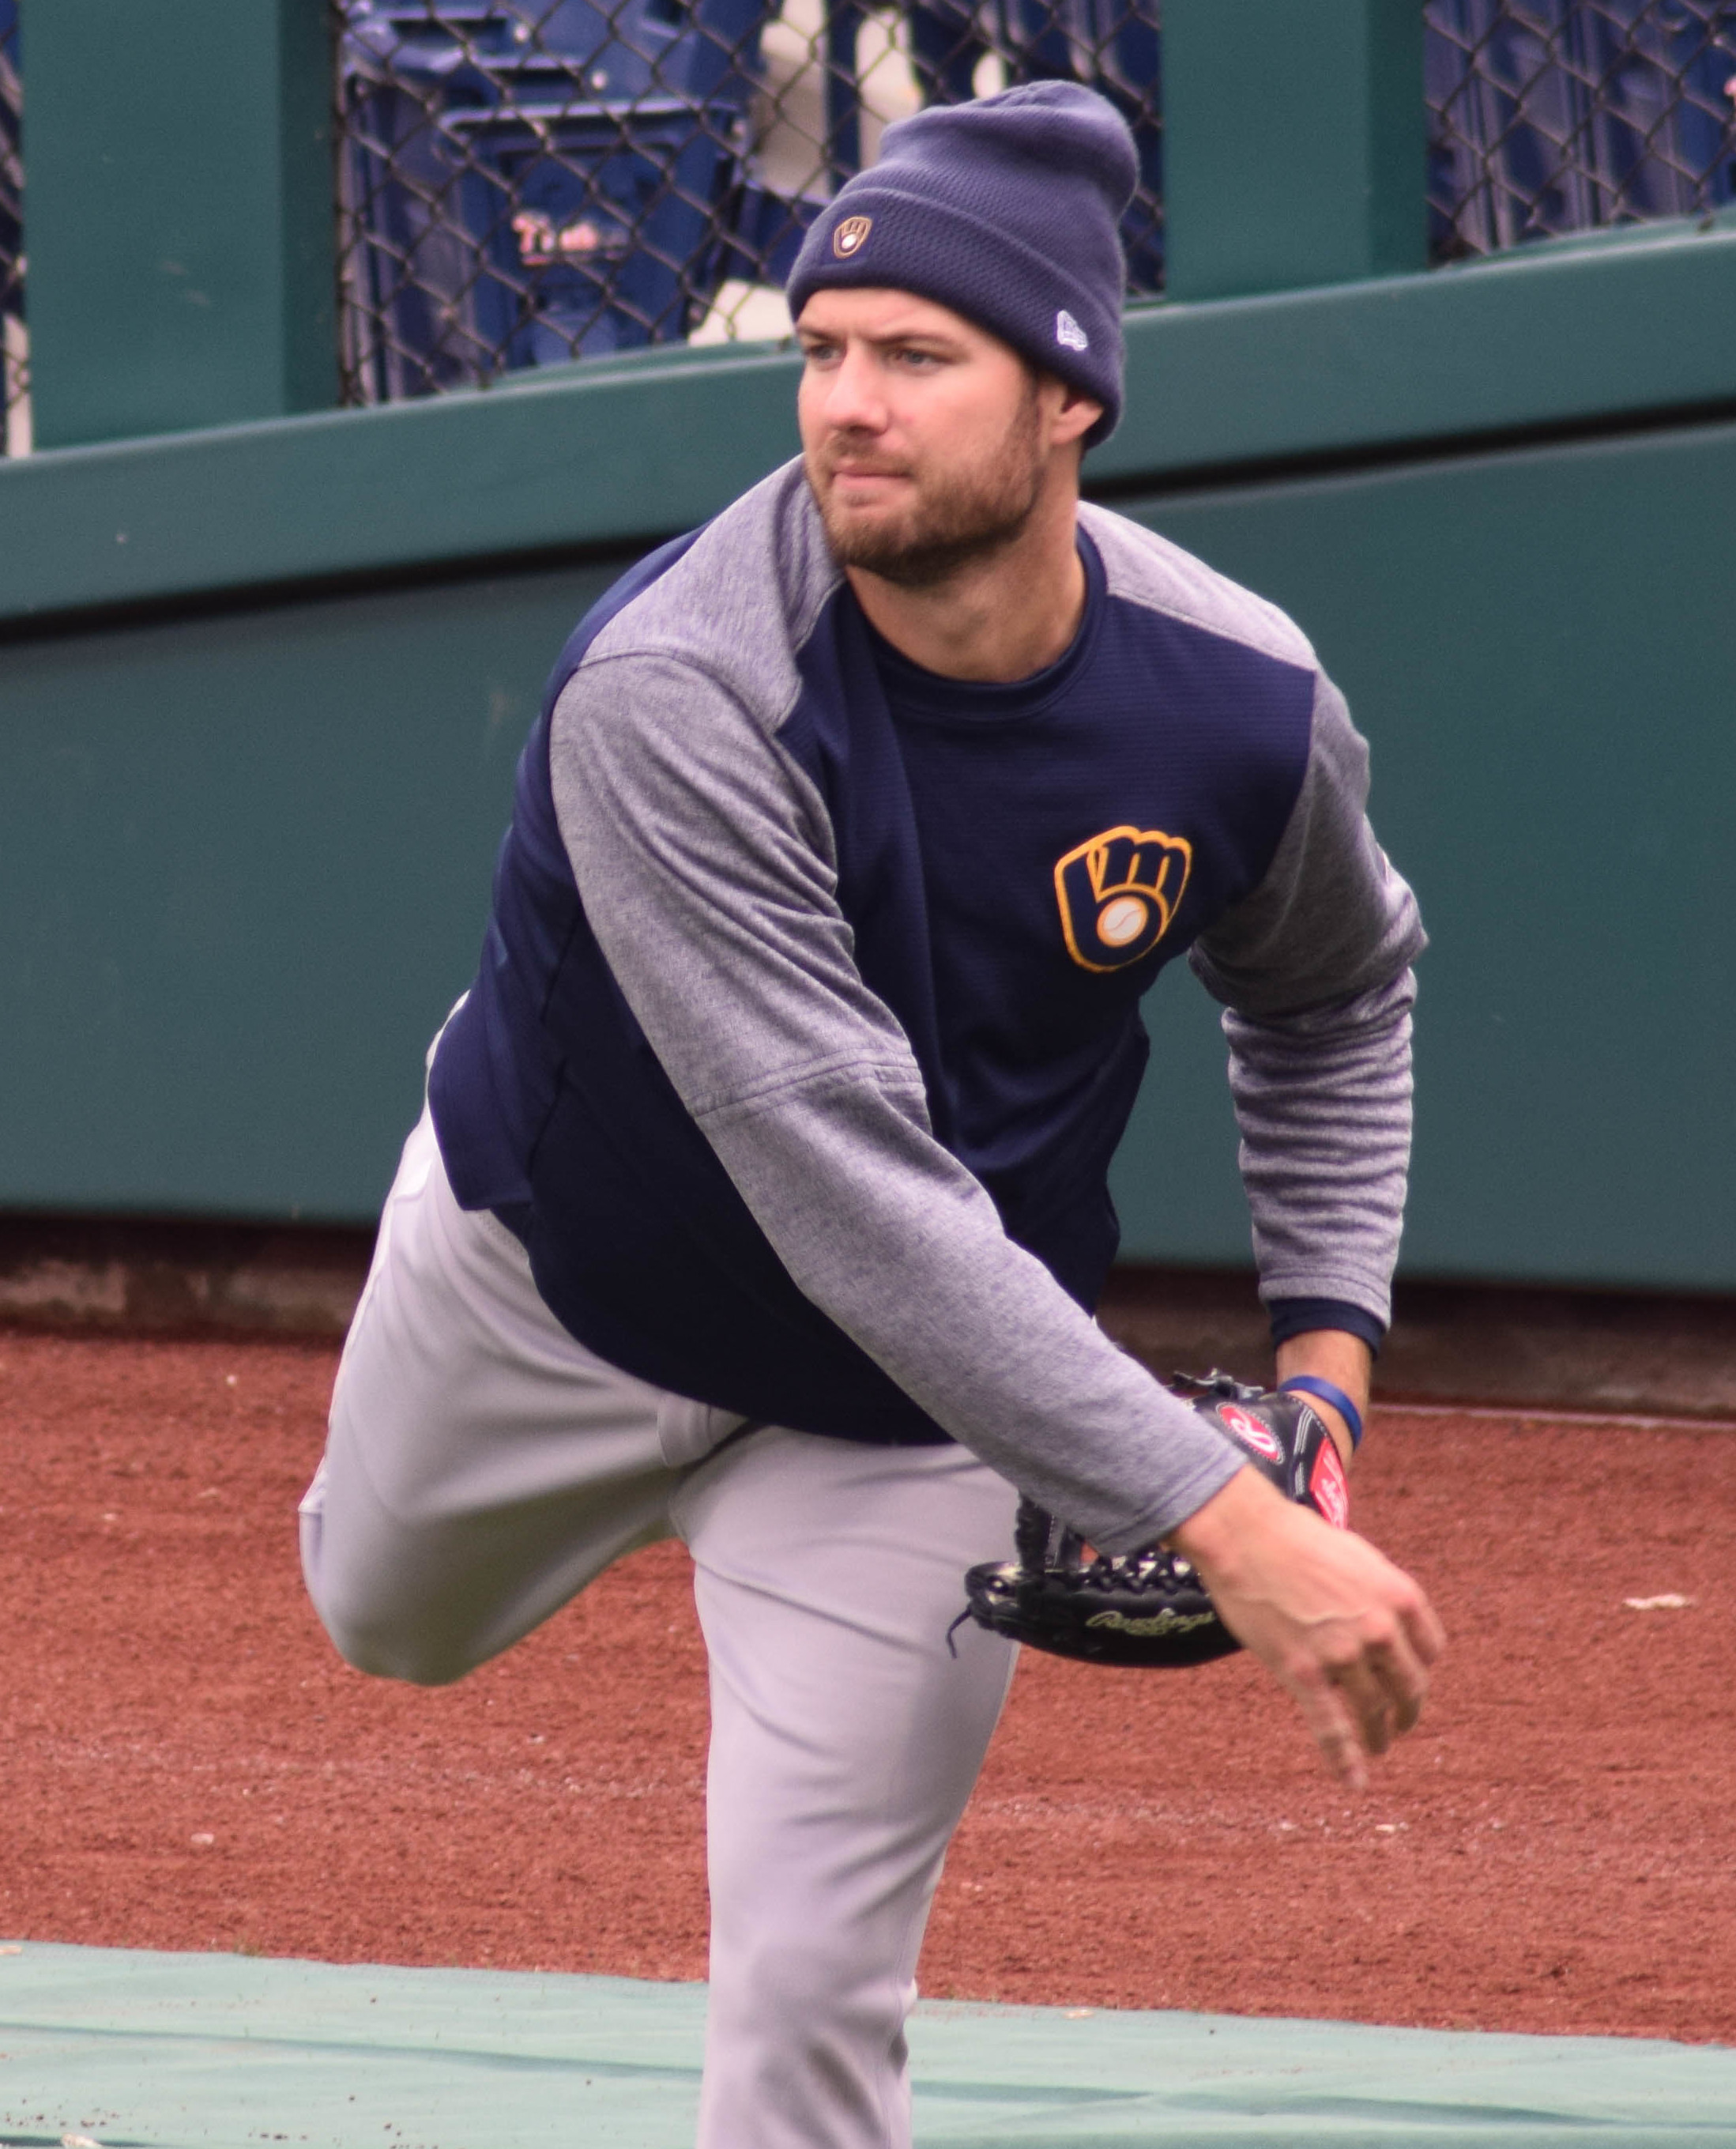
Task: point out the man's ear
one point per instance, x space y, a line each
1074 416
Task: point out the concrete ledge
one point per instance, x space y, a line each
1510 1345
1507 1345
116 1277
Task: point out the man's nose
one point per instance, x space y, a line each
855 394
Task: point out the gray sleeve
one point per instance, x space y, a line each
1314 969
1323 1100
1331 919
703 857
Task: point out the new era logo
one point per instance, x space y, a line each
1067 331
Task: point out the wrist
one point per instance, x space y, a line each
1339 1360
1209 1536
1328 1401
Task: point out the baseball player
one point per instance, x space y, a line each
761 1197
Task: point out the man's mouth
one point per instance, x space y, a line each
870 478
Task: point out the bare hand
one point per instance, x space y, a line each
1349 1636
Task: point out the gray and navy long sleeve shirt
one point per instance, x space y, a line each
809 1020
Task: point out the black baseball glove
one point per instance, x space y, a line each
1149 1606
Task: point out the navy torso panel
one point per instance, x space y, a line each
1017 863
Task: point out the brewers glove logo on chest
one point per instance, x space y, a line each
1119 894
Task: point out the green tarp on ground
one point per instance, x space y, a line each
165 2050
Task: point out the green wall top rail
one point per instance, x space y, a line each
606 456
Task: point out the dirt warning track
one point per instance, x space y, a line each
186 1766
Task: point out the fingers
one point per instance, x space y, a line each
1427 1636
1380 1702
1330 1722
1351 1636
1400 1679
1370 1690
1401 1661
1389 1680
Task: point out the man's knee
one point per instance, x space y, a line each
385 1652
395 1642
376 1625
388 1640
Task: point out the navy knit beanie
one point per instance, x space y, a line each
1007 210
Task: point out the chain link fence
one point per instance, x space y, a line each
14 351
524 182
1550 118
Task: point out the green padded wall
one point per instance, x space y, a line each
1538 645
243 870
244 863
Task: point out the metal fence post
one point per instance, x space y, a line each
1296 141
179 227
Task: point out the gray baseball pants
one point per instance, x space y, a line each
483 1467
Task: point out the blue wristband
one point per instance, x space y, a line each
1312 1384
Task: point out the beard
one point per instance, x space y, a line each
956 517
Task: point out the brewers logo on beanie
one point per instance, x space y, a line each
1007 210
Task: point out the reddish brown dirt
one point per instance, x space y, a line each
185 1766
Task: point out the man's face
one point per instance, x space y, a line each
927 439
